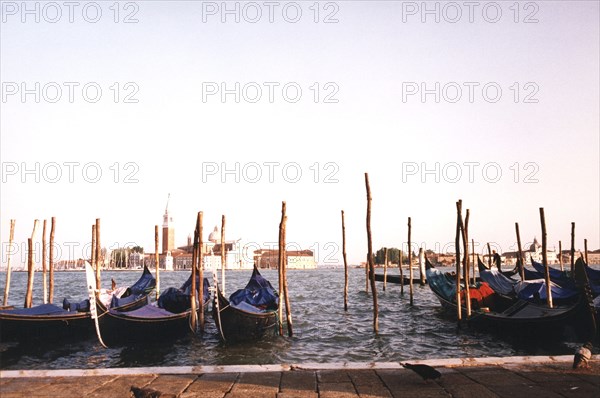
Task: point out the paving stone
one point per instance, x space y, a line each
497 377
371 391
332 376
472 390
121 386
214 382
337 390
529 391
364 377
299 381
297 394
172 384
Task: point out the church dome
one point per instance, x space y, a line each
215 236
535 245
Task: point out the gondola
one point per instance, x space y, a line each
565 279
521 317
528 290
167 318
50 322
250 314
396 279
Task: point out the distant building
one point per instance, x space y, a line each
297 259
534 252
168 231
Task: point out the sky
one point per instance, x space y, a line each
234 107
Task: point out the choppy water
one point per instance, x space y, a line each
323 332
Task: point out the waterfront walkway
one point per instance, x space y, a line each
513 377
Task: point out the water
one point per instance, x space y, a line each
323 332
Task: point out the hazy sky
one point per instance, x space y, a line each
235 107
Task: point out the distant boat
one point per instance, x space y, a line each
250 313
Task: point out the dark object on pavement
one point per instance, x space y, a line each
582 356
148 393
425 371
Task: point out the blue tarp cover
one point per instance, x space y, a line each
258 294
44 309
178 300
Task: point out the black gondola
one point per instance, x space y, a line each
521 318
52 322
167 318
249 314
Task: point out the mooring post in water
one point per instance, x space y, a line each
11 236
30 268
345 263
367 277
370 257
410 263
520 255
288 308
422 277
200 262
400 260
93 256
29 294
545 258
572 247
385 260
280 260
194 312
473 278
585 251
44 264
223 254
51 261
489 255
97 254
157 261
560 259
457 246
464 231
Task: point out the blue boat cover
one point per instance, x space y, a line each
144 285
43 309
526 290
563 278
438 281
178 300
147 311
257 296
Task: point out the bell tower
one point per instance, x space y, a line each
168 231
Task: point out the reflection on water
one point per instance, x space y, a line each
323 332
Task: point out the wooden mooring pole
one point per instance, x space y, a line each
11 236
280 260
345 263
545 258
410 265
457 249
370 257
464 231
400 260
51 261
572 247
44 265
223 254
585 251
520 258
200 263
97 253
157 261
385 260
560 259
286 290
193 295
